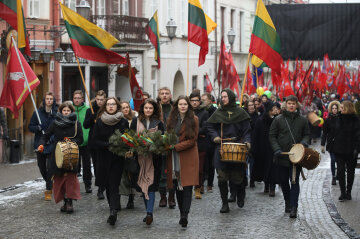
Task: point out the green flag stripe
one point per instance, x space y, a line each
197 16
153 26
267 33
82 37
10 4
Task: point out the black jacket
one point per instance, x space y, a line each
328 135
203 140
347 134
46 119
89 122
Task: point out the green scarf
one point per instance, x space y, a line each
230 113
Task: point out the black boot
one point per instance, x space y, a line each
63 208
233 190
100 194
293 212
272 190
69 206
130 203
252 183
266 188
112 218
183 220
287 207
240 195
224 197
348 195
333 181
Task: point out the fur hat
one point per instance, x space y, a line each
334 102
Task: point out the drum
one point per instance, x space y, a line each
314 119
234 152
305 157
67 155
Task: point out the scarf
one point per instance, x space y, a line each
146 174
65 121
230 113
176 157
109 119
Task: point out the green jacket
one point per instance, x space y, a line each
81 112
280 136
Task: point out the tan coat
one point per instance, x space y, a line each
189 159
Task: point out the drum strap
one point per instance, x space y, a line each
221 136
75 131
293 178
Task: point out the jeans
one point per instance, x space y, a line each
250 161
149 204
333 161
291 193
43 162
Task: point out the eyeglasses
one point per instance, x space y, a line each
110 104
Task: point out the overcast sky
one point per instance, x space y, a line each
334 1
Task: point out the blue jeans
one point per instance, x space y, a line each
149 204
333 161
291 193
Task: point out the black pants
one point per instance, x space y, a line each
290 193
43 162
183 198
94 161
345 162
85 161
163 182
209 169
113 183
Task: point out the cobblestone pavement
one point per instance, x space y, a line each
24 214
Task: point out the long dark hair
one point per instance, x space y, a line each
103 107
157 111
188 121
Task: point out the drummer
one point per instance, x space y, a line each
287 129
65 126
236 126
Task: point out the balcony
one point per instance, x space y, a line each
126 29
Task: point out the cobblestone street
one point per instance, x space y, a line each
24 214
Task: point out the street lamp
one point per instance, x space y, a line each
231 36
35 53
46 55
171 28
69 54
83 9
58 54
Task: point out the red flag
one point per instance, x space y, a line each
249 86
15 89
136 92
209 87
221 60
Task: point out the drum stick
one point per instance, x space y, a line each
287 153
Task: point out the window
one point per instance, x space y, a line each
125 7
194 82
241 26
116 7
154 72
232 18
171 9
100 7
183 17
153 6
34 8
222 21
205 83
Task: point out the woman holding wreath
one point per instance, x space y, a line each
110 166
65 127
183 159
150 165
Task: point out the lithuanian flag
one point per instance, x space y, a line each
12 12
152 30
199 27
88 40
265 42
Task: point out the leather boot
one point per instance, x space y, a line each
240 195
252 183
287 206
69 206
348 195
197 193
63 208
48 195
113 217
171 200
232 197
130 203
272 190
163 201
293 212
149 218
100 194
224 197
266 188
183 220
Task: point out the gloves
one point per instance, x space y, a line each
40 149
217 140
129 154
172 147
277 153
40 127
323 149
248 145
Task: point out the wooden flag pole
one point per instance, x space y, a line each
257 78
245 77
83 81
187 69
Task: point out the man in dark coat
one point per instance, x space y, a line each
202 141
231 122
287 129
89 123
47 113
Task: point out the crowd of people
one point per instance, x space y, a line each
266 127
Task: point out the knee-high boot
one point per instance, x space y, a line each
240 195
223 186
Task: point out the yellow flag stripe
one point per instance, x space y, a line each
195 3
256 61
20 22
262 13
210 24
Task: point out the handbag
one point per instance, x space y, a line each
131 165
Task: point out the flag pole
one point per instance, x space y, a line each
26 81
257 77
245 77
187 69
83 81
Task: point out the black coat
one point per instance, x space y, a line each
46 119
59 133
105 158
156 158
264 169
203 141
89 121
239 130
347 134
328 135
